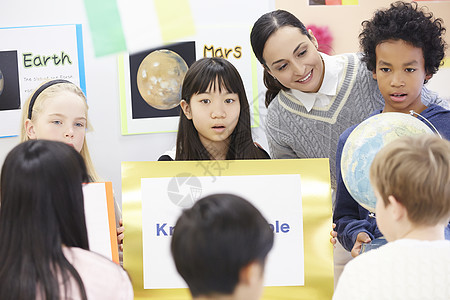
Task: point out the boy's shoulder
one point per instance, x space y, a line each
439 117
403 249
424 262
408 253
436 109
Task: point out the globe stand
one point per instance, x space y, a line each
376 243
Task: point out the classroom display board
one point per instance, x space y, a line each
30 56
177 34
293 195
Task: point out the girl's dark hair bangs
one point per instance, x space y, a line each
215 77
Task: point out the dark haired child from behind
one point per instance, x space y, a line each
220 247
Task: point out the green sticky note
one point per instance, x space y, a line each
175 19
105 26
122 93
350 2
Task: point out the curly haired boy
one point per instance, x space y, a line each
403 47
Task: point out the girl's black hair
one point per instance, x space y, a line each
407 22
201 77
42 209
263 28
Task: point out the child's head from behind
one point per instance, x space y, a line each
220 246
215 110
403 47
58 111
415 172
41 196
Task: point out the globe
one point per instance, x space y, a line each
159 78
364 143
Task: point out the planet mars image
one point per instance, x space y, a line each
159 79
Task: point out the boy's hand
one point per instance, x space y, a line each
362 237
120 234
333 236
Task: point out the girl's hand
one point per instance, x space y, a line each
333 236
120 234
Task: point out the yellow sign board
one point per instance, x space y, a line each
316 207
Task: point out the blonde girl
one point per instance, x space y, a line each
58 111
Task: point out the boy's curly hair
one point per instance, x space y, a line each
407 22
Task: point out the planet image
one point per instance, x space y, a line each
2 82
159 78
364 143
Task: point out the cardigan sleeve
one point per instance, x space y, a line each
278 136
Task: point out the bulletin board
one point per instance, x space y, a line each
316 208
25 64
193 30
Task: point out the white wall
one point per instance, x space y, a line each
106 144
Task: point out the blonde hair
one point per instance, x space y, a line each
416 171
37 108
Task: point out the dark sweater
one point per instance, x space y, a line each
167 157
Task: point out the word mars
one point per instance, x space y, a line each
222 52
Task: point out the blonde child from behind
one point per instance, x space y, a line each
411 179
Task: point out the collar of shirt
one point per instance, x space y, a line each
333 73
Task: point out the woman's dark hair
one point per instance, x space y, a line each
42 209
215 239
263 28
407 22
211 74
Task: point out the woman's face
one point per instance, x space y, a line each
292 58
